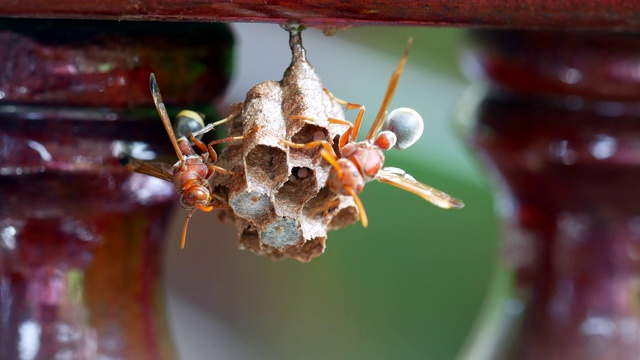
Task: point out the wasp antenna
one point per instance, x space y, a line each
164 116
183 239
363 215
388 96
408 46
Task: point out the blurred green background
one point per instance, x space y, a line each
410 286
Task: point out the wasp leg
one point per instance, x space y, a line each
356 126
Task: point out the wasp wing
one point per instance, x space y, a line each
399 178
164 116
160 170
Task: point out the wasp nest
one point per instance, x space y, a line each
277 195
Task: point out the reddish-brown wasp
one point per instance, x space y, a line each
190 175
361 162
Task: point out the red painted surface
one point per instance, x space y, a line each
594 65
585 14
80 235
561 130
108 63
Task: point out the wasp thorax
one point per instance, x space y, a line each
369 158
189 173
406 124
350 177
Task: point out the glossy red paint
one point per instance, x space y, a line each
81 236
588 14
560 129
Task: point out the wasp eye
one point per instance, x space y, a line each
407 124
186 123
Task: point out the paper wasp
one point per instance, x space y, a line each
191 174
361 162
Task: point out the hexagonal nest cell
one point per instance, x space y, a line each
277 195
